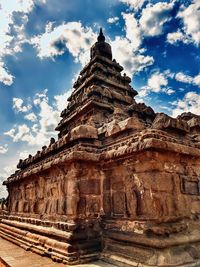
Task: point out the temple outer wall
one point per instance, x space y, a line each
152 219
145 193
152 185
147 185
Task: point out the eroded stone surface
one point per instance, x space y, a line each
21 258
121 182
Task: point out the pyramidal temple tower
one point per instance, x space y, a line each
121 183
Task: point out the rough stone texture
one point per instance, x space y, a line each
121 182
21 258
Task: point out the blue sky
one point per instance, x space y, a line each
45 43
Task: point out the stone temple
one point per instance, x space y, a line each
121 183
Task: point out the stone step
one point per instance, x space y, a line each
14 256
124 254
47 231
129 254
38 244
61 256
50 242
66 226
118 260
35 239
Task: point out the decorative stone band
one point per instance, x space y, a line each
93 101
129 248
145 140
107 61
154 242
101 78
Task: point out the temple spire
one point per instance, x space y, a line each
101 48
101 37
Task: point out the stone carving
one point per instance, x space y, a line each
190 186
162 121
84 131
121 181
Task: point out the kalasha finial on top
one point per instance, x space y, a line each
101 48
101 37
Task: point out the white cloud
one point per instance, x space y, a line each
170 91
3 149
8 170
5 76
142 92
196 80
6 13
22 133
78 40
39 97
184 78
10 133
35 128
17 6
12 33
75 38
191 20
19 134
75 77
128 50
48 117
112 20
31 117
125 54
71 36
135 4
181 77
157 83
18 105
168 74
44 123
61 100
178 36
154 17
190 103
133 32
8 164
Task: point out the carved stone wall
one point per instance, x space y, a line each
51 193
151 185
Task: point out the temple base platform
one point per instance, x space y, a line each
63 244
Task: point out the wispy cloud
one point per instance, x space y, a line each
42 124
4 149
184 78
189 103
12 34
112 20
18 105
71 36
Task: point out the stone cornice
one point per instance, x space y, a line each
140 141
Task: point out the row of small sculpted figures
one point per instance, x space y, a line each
23 163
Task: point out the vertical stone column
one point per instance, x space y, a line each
72 189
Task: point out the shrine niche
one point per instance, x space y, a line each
190 185
120 183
